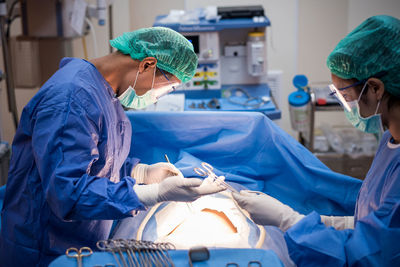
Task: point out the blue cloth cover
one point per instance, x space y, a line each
249 149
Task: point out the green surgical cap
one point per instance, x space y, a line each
371 48
174 53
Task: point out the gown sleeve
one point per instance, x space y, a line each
373 242
128 166
64 143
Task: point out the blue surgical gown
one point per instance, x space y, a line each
376 235
69 171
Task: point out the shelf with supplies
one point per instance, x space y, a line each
233 98
347 150
320 100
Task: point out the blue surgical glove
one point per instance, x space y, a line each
266 210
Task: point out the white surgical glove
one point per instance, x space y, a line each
338 222
175 188
155 173
266 210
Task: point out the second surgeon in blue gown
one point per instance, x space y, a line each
70 174
365 69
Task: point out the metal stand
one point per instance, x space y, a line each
12 105
314 108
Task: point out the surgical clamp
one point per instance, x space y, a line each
78 254
208 170
104 246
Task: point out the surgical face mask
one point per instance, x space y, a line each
130 99
371 124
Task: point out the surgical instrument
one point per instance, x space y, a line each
207 170
202 105
78 254
104 246
166 158
214 104
148 253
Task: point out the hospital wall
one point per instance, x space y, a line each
302 34
121 23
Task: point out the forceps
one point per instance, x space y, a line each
105 245
78 254
208 170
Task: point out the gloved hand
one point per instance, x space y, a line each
338 222
155 173
266 210
175 188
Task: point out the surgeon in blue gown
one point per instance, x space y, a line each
70 175
365 68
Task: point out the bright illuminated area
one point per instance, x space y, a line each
212 221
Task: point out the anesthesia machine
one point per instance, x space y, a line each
232 68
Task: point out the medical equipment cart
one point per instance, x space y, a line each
232 68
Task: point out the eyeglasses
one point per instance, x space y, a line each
164 90
336 93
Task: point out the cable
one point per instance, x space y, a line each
110 26
251 101
93 35
85 54
10 11
12 104
9 22
10 18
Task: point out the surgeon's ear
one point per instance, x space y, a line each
148 63
377 87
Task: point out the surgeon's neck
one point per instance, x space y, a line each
114 67
394 125
395 136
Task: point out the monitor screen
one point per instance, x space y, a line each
194 39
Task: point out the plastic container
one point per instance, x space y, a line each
256 54
299 110
300 81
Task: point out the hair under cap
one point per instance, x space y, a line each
371 48
174 53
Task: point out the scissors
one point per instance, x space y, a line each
208 170
78 254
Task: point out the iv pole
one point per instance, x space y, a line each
12 105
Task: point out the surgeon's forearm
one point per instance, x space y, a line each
92 198
338 222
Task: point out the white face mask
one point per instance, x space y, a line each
130 99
